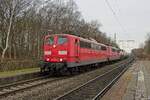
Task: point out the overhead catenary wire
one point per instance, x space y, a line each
115 16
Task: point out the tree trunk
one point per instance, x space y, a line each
8 33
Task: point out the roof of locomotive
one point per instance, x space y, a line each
87 40
61 35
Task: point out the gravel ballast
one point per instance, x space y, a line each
55 89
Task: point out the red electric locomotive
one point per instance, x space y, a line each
114 54
63 51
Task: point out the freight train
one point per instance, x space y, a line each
69 52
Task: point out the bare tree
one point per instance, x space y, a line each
14 3
24 23
10 10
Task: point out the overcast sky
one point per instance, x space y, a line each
134 15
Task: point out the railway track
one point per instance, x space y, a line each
97 87
13 88
20 86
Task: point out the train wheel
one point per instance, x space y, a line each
41 70
70 71
77 70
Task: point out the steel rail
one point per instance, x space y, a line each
22 81
24 85
121 65
102 92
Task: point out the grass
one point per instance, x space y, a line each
18 72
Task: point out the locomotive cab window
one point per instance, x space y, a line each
49 40
84 44
62 39
118 51
103 48
113 50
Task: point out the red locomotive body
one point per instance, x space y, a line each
68 51
114 53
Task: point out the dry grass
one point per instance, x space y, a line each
11 65
18 72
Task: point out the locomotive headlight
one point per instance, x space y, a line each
47 52
54 46
61 59
47 59
62 52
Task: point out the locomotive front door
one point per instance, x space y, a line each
77 50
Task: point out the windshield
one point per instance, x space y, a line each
62 39
49 40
